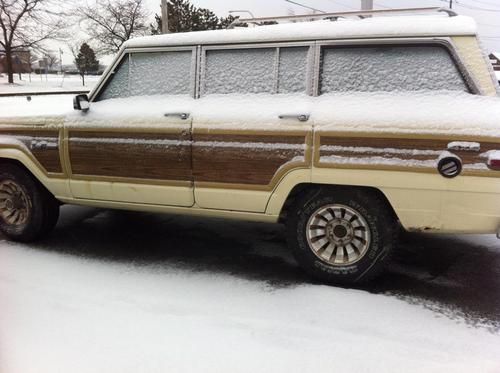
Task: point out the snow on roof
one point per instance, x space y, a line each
435 25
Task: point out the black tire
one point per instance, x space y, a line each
52 210
27 210
378 222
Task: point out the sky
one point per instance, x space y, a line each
486 12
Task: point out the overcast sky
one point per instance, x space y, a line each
486 12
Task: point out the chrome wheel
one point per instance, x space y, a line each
15 205
338 235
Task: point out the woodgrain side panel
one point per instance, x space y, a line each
153 156
398 153
42 145
248 159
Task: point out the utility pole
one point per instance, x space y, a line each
60 59
451 4
164 16
366 4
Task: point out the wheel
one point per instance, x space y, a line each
341 236
27 211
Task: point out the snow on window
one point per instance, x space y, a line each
146 74
292 70
389 68
160 73
240 71
118 84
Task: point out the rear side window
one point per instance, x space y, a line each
239 71
255 70
389 68
146 74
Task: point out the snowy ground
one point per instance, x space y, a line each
133 292
49 83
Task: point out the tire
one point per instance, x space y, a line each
27 210
341 236
52 210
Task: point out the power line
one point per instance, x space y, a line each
485 3
305 6
467 6
383 6
341 4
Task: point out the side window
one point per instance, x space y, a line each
239 71
388 68
255 70
292 75
151 73
117 85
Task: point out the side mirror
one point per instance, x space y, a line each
81 102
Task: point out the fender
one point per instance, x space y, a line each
14 149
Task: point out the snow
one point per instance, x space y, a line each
160 73
177 294
292 70
378 160
393 69
387 151
49 83
239 71
464 145
439 25
458 114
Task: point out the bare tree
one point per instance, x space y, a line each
111 23
52 60
26 24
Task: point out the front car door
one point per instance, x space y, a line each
134 145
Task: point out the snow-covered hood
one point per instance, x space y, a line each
438 113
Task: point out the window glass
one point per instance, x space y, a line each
145 74
118 83
160 73
389 68
240 71
292 75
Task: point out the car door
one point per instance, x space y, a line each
252 123
134 144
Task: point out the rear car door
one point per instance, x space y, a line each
252 123
134 145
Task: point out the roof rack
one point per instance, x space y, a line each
335 16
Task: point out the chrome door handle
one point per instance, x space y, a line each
299 117
183 116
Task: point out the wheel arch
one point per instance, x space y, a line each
300 189
16 157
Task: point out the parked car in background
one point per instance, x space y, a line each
344 130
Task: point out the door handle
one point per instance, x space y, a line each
299 117
183 116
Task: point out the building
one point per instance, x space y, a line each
20 62
495 61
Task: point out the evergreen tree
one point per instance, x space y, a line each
85 61
184 17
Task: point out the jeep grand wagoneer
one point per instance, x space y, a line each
344 130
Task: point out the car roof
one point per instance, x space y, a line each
374 27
